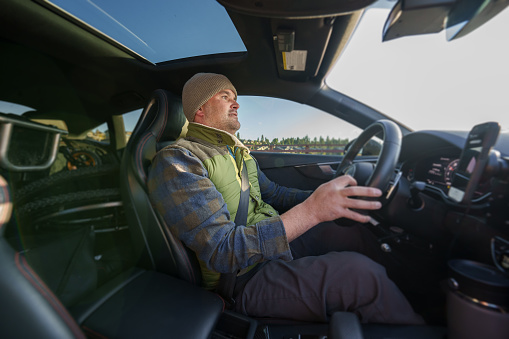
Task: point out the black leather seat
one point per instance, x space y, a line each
160 124
29 309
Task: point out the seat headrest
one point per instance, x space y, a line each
163 117
162 122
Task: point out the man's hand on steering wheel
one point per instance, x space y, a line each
335 199
338 198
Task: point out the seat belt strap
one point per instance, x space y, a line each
226 283
241 216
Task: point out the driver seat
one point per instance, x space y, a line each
161 123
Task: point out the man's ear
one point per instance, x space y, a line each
199 115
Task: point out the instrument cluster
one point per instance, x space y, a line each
437 171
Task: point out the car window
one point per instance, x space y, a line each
13 108
121 21
296 128
75 150
99 133
130 120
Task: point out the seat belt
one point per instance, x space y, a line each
226 282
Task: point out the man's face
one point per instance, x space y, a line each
221 112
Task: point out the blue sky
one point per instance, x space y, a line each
154 28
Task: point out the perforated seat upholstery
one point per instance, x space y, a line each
160 124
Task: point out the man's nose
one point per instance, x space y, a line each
235 104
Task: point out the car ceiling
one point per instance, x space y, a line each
68 70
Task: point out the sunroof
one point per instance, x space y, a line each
160 30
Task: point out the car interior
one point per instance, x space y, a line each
83 252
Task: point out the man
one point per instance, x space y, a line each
286 267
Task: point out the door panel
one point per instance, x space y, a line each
301 171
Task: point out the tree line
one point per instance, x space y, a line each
306 140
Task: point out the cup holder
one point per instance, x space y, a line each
477 301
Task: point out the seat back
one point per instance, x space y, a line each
29 309
156 248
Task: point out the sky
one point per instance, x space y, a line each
277 118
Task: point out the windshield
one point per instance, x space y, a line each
426 82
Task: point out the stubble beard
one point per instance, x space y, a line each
228 123
232 124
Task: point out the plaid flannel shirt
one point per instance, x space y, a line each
191 206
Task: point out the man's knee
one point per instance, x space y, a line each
360 268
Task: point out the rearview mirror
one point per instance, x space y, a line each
468 15
458 17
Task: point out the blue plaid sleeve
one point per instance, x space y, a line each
191 206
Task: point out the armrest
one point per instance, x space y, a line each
344 325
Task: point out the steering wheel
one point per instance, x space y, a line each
380 174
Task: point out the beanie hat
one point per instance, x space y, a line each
200 88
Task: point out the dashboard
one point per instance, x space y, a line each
428 162
432 157
437 171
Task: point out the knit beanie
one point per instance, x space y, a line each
200 88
